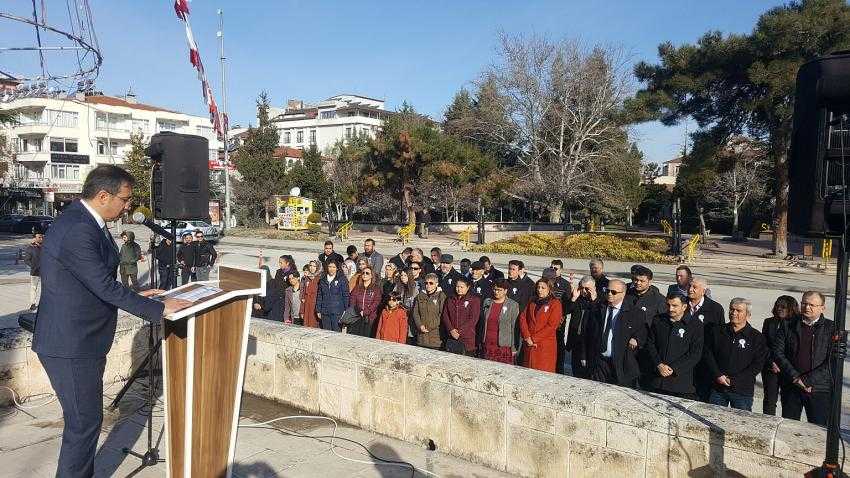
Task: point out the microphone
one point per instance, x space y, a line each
139 218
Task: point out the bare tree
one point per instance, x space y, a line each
742 171
564 108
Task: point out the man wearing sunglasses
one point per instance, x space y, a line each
79 306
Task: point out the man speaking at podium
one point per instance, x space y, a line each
78 312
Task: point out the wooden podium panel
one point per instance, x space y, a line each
204 364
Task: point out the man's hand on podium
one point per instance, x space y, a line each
173 305
151 292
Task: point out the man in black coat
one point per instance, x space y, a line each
480 286
490 272
521 287
449 275
802 351
612 343
711 314
734 354
675 348
328 254
186 258
164 255
597 271
560 285
205 256
400 259
645 296
584 309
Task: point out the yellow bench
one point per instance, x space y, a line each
405 232
343 230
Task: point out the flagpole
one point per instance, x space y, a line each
225 123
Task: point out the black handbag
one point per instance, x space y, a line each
455 346
350 316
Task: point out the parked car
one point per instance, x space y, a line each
30 224
211 233
8 222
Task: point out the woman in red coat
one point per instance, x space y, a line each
537 324
310 286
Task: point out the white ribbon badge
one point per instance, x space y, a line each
681 333
742 343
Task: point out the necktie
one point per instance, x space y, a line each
608 321
108 236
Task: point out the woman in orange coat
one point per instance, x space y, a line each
310 286
537 324
393 323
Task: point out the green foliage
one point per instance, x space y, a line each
139 166
274 233
587 246
311 178
314 218
261 175
743 84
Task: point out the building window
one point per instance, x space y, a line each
165 125
312 136
63 119
140 125
347 133
205 131
104 148
299 138
63 145
65 171
287 137
327 114
29 145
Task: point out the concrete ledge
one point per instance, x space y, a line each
21 370
518 420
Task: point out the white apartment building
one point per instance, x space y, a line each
323 124
56 141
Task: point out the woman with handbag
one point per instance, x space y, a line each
363 305
538 323
332 297
460 319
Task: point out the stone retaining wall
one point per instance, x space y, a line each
518 420
21 370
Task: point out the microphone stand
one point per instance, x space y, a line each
151 456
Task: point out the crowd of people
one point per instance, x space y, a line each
679 343
195 259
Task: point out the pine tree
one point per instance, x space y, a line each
139 165
262 176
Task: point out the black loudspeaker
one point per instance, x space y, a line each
819 161
180 187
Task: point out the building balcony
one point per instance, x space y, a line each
113 132
32 157
38 128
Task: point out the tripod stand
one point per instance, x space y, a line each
146 369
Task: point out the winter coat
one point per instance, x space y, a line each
629 324
427 311
205 254
539 321
651 302
186 255
308 301
582 312
679 345
333 296
366 301
130 254
521 291
738 355
393 325
32 258
448 282
507 323
483 288
785 352
462 313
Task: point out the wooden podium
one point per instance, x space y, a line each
203 368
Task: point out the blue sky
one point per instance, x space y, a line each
417 51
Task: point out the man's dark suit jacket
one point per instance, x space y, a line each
631 324
80 297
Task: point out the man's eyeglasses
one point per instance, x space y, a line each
430 282
125 200
416 268
614 292
809 304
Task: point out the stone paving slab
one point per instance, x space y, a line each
29 446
